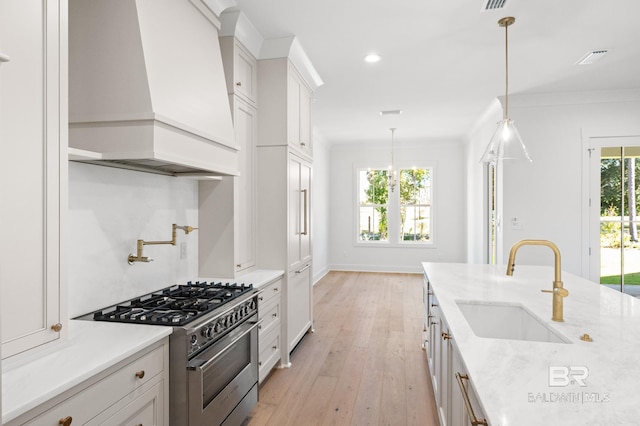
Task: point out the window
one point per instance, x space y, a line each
400 216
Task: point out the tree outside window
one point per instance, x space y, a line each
407 210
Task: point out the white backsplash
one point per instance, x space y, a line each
109 210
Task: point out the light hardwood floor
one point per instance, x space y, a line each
363 365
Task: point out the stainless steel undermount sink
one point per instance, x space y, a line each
510 321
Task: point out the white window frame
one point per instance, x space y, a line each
394 209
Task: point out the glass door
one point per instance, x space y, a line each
619 202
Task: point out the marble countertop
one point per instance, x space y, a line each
512 378
33 378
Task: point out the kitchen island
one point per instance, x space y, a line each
527 382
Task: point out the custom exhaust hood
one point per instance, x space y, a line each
147 88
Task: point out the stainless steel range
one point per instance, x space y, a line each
213 348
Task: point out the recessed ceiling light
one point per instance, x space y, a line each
391 112
372 57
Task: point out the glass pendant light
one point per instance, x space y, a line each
505 143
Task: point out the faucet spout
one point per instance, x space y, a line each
559 293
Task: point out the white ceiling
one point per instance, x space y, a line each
443 61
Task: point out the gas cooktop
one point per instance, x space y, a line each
176 305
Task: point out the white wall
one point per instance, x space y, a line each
320 207
449 206
546 195
109 209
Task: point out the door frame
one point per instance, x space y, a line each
592 139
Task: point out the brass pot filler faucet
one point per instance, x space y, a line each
141 243
559 293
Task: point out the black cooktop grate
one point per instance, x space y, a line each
175 306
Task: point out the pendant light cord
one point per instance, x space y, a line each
506 79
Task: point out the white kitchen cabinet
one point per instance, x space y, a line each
269 312
445 363
285 101
284 201
227 207
299 308
134 391
299 213
240 69
33 176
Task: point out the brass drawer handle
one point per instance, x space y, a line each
260 298
472 417
239 84
140 374
56 327
276 289
445 336
274 347
274 315
65 421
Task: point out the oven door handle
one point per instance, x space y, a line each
204 365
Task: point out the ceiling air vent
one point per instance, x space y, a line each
493 4
592 57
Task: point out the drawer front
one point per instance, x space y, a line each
145 410
270 291
269 353
90 402
270 316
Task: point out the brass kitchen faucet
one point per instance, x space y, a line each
141 243
559 293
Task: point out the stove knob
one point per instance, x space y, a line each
217 327
194 340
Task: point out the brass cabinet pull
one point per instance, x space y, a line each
259 326
305 193
239 84
433 305
56 327
274 347
472 417
259 363
445 336
260 298
276 289
238 266
274 315
140 374
65 421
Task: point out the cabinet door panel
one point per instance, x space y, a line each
295 210
305 236
31 114
299 306
245 125
293 111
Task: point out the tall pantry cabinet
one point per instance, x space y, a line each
284 191
33 175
